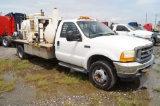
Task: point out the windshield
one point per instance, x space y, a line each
138 28
131 27
93 29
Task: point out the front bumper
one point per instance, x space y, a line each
134 69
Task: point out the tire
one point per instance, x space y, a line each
20 52
6 41
102 75
153 41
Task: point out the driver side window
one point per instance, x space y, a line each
121 28
68 26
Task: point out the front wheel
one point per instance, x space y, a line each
102 75
6 41
153 41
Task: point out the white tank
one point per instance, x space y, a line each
50 30
55 16
49 33
25 25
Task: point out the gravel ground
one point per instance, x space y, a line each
7 53
29 97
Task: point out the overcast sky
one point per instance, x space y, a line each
120 11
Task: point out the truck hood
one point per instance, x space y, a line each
143 33
122 43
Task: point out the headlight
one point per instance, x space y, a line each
147 36
127 56
158 36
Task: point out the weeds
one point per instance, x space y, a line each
1 77
127 102
7 87
158 64
15 64
157 89
35 78
157 71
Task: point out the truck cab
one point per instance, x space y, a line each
88 45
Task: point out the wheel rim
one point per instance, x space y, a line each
5 42
153 41
20 53
100 76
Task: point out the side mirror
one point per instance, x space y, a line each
73 37
115 32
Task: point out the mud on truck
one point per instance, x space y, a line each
84 44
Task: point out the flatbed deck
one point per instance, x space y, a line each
44 50
33 44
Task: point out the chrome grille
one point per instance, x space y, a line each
144 54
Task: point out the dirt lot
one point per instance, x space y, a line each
36 81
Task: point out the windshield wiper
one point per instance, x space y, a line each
110 34
101 34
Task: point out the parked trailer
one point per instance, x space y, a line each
9 27
6 28
84 44
148 26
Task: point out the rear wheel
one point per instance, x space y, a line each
20 52
102 75
6 41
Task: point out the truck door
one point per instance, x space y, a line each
122 30
69 51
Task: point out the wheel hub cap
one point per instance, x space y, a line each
100 76
4 42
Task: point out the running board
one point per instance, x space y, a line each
76 68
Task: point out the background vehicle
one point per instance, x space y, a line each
124 29
155 36
86 45
148 27
9 26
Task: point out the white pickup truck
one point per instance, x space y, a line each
88 45
124 29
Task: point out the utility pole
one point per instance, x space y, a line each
146 18
156 19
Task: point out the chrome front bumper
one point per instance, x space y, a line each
133 69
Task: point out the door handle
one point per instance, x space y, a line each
58 43
86 46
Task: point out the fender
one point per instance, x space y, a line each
114 56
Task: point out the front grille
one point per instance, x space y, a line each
144 54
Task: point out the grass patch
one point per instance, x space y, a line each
7 87
157 71
158 64
128 102
67 104
157 89
35 78
44 81
72 78
15 64
1 77
157 56
68 80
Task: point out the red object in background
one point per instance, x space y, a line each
6 25
106 23
148 27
